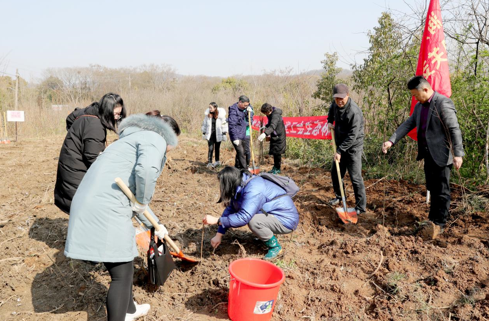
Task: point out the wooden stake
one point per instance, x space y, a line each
2 137
5 122
16 89
16 97
202 242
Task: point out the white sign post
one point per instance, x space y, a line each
15 116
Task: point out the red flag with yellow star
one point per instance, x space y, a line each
433 59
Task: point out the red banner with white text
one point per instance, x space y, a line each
433 60
314 127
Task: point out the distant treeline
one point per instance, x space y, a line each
378 85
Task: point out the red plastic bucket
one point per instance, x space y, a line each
253 289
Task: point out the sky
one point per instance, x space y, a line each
207 37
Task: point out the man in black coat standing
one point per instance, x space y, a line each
276 130
439 144
348 128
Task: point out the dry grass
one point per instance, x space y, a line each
151 87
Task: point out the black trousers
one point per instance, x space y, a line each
211 143
240 159
277 161
438 183
119 298
351 161
246 145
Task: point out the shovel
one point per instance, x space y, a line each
131 196
256 169
346 215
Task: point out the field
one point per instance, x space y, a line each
378 269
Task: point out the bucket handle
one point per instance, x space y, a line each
234 284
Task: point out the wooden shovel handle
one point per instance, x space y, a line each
251 140
131 196
338 168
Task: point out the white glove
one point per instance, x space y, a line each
162 232
138 207
262 137
249 109
236 142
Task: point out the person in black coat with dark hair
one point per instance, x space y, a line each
276 130
85 140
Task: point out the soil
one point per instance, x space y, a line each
379 269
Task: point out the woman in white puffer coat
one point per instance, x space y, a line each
214 130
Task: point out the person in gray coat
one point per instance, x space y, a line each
439 144
100 227
348 128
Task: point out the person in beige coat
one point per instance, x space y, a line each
214 130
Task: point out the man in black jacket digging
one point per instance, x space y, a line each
439 144
348 128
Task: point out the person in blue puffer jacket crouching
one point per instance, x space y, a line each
256 202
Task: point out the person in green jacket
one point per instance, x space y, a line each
100 227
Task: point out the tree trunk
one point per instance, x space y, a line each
487 152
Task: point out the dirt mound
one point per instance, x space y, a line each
379 269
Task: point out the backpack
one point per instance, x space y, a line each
284 182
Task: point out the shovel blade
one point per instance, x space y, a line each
350 216
142 240
182 256
255 170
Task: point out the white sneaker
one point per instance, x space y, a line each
218 163
141 311
210 165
